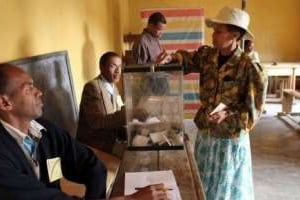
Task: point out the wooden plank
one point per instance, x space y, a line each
292 92
282 69
290 121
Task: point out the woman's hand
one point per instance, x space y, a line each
218 117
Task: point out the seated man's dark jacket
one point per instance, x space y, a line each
78 164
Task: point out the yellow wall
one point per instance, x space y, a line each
275 24
85 28
88 28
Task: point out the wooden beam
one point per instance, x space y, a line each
244 4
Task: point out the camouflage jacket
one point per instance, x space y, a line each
239 83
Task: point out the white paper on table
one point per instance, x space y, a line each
141 179
219 108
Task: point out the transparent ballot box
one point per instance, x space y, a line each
154 106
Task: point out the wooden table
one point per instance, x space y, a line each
180 161
290 70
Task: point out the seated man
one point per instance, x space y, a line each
35 154
102 114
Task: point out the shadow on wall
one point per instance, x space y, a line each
116 29
24 47
90 68
26 41
116 35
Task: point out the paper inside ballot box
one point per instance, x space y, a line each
168 108
155 131
134 180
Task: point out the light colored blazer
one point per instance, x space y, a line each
100 119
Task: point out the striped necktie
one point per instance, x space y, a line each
29 145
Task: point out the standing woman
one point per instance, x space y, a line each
237 86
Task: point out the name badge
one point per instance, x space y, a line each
119 101
54 169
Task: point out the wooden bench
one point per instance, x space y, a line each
288 99
287 116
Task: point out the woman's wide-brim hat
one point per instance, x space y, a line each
233 16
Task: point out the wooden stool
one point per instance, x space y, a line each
288 99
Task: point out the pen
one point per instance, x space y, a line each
164 189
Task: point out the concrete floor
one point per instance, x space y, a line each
276 157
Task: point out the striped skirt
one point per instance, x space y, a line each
225 167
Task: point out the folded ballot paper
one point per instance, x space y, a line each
135 180
219 108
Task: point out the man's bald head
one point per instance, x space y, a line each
20 100
7 73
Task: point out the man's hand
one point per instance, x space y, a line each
218 117
162 57
151 192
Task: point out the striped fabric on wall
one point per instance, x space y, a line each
191 95
184 30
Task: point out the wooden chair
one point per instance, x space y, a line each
129 39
